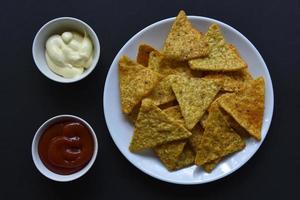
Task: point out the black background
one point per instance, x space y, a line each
28 99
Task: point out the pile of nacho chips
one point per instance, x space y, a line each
192 102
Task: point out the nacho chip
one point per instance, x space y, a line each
143 54
204 119
153 127
178 154
208 167
231 81
234 124
169 153
136 82
132 116
164 66
186 158
163 93
195 139
175 114
247 107
194 143
218 139
167 105
184 42
194 95
222 57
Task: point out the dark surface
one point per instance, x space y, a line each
28 99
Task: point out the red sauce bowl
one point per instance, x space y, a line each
64 148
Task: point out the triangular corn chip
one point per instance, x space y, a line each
169 153
143 54
153 127
175 114
208 167
164 66
194 96
231 81
136 82
218 139
195 140
184 42
247 107
163 93
186 158
222 56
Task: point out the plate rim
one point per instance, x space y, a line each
271 100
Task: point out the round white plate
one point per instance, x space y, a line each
121 130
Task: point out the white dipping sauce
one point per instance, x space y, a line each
69 54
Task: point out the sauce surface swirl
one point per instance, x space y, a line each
66 147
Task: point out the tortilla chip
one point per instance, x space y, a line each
136 82
247 106
234 124
143 54
153 127
186 158
169 153
163 93
194 96
231 81
195 139
208 167
184 42
164 66
204 119
175 114
134 113
167 105
218 139
222 57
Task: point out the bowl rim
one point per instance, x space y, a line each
167 20
96 46
40 165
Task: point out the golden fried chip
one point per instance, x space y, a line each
143 54
134 113
136 82
184 42
247 106
195 139
203 119
222 56
167 105
153 127
169 153
231 81
186 158
194 143
163 93
175 114
164 66
194 96
218 139
234 124
208 167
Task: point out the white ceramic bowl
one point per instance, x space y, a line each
57 26
121 129
38 162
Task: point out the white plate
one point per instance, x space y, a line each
121 130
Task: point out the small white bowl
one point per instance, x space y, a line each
57 26
40 165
